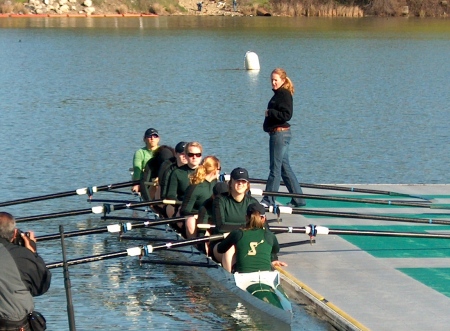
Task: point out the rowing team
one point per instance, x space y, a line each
182 174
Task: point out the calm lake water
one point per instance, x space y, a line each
372 105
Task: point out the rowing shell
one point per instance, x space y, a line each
238 283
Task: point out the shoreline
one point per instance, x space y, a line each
74 15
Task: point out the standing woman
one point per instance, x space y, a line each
279 112
202 182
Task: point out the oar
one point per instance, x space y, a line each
112 228
288 210
106 208
371 201
314 230
67 283
181 263
149 239
110 201
81 191
144 250
348 189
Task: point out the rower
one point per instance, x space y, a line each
179 179
164 175
168 166
144 154
252 248
229 210
206 210
149 180
200 189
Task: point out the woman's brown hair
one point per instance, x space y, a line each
254 221
208 165
288 85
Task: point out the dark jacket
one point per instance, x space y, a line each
178 183
23 274
228 214
280 109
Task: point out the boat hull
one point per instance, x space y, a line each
227 280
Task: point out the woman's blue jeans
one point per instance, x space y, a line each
280 168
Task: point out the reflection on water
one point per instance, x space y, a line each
409 27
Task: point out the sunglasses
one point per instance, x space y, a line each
153 136
194 154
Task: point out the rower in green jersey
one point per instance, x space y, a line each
164 173
229 210
144 154
167 167
252 248
205 211
179 179
201 186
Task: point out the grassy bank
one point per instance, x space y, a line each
308 8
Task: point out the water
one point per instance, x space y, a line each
371 106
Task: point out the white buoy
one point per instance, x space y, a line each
251 61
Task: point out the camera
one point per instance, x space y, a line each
18 240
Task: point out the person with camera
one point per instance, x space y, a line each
23 275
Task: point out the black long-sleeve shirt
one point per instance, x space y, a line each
280 110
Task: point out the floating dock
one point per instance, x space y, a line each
371 283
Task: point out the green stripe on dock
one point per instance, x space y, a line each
399 247
436 278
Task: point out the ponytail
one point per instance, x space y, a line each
208 165
288 85
254 221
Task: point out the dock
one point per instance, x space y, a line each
371 283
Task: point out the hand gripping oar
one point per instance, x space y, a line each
139 251
288 210
371 201
112 228
324 230
344 188
105 209
81 191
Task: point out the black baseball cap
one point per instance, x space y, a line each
179 148
150 132
239 174
256 206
